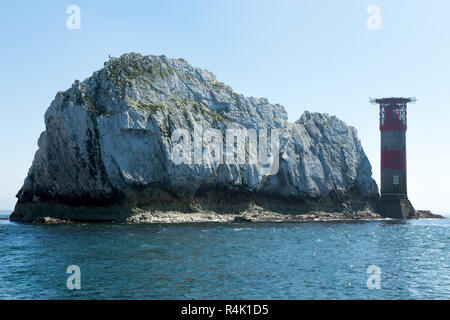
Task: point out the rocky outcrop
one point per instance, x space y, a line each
49 220
107 151
425 214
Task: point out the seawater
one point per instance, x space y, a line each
313 260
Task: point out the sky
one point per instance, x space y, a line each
315 55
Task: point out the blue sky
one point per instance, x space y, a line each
307 55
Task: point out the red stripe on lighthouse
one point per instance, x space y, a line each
393 159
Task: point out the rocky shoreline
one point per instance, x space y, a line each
211 206
253 214
248 217
174 217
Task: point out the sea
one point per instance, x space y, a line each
295 260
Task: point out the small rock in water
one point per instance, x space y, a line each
49 220
425 214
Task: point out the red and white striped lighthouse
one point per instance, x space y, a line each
393 124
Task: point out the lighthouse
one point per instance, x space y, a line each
394 202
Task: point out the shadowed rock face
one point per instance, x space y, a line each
107 146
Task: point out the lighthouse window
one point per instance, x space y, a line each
395 162
395 179
382 115
399 113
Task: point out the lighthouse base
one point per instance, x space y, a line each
396 207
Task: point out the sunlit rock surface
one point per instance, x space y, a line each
106 150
